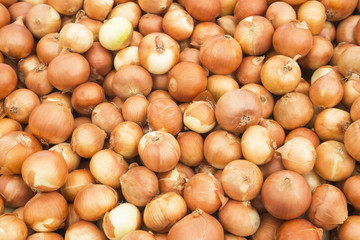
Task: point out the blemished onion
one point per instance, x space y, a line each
19 104
83 230
19 9
159 151
45 236
44 171
197 225
116 33
313 13
86 96
150 23
154 6
351 138
106 116
121 220
12 227
100 59
48 47
221 54
221 147
279 13
66 7
62 67
37 81
126 56
165 115
218 85
250 69
204 191
187 74
277 133
98 10
203 10
58 98
94 200
175 179
107 160
178 24
129 10
237 117
14 190
294 106
15 147
298 229
9 125
350 228
8 80
333 163
327 214
43 19
332 124
5 16
46 212
202 31
239 218
75 182
257 145
280 74
254 35
135 109
228 24
139 235
16 40
130 80
265 97
164 211
268 227
303 132
247 8
286 194
158 53
241 180
291 39
341 10
328 31
199 116
124 139
298 155
26 65
87 139
191 146
351 191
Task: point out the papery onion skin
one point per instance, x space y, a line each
19 9
268 227
5 16
12 227
202 31
100 59
191 146
8 80
313 13
68 7
277 133
298 229
139 235
97 10
178 24
174 180
304 132
106 116
86 96
150 23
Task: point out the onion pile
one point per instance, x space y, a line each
179 119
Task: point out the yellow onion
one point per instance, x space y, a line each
45 236
351 191
139 235
350 228
12 227
199 116
83 230
351 139
71 158
175 180
268 227
75 182
9 125
14 190
298 229
191 146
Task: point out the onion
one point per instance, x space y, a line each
291 39
150 23
228 24
265 97
100 59
242 180
303 132
160 82
136 39
203 10
175 179
254 35
58 98
274 165
15 147
126 56
26 65
5 16
221 54
62 74
71 158
164 115
106 116
329 213
202 31
298 229
12 227
67 7
346 30
80 121
45 236
75 182
331 124
158 53
199 116
197 225
279 13
178 24
86 96
14 191
116 33
303 87
239 218
350 228
313 179
97 10
351 139
354 111
135 109
72 217
16 40
139 235
218 85
164 211
93 25
43 19
328 31
124 139
94 200
277 133
333 163
338 51
87 139
268 227
351 191
154 6
294 106
191 146
19 9
131 80
250 69
37 81
9 125
45 212
107 84
121 220
247 8
159 151
351 90
48 47
286 194
340 10
348 62
157 94
129 10
313 13
76 38
246 111
83 230
8 80
280 74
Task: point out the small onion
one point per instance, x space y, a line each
249 70
83 230
100 59
12 227
203 10
338 51
191 146
26 65
97 10
268 227
348 61
279 13
106 116
72 217
298 229
19 9
303 87
218 85
136 39
175 179
313 179
8 80
5 16
135 109
37 81
351 91
75 182
9 125
94 200
328 31
126 56
202 31
228 24
150 23
14 190
107 84
116 33
350 228
273 166
93 25
157 94
346 30
247 8
59 98
277 133
76 37
46 212
199 116
313 13
154 6
178 24
266 99
139 235
129 10
86 96
352 192
342 9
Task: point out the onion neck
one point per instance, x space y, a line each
159 45
197 212
20 21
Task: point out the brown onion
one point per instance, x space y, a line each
58 98
106 116
135 109
346 30
191 146
274 165
72 216
77 230
313 13
154 6
71 158
97 10
279 13
38 82
203 31
26 65
126 56
76 38
338 10
86 96
350 228
45 236
48 47
277 133
75 182
218 85
304 132
14 190
8 80
228 24
249 70
351 90
247 8
9 125
354 110
286 194
12 227
265 97
129 10
328 213
107 84
203 10
351 191
178 24
351 139
4 16
150 23
67 7
139 185
199 116
338 51
93 25
19 9
328 31
175 179
139 235
100 59
298 229
268 227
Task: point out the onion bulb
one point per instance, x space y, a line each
298 229
12 227
116 33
